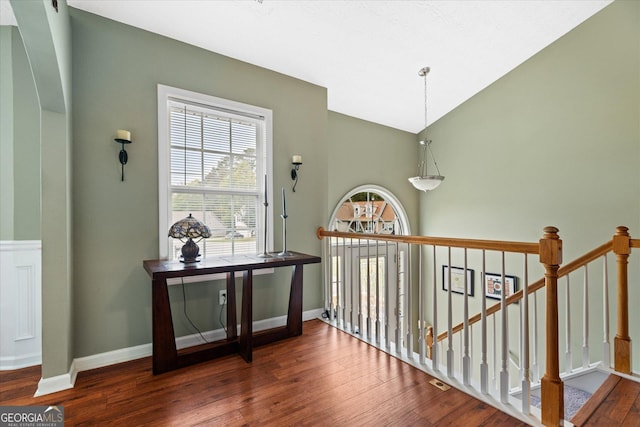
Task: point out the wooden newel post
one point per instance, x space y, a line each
622 341
429 342
552 387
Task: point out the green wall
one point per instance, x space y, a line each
363 152
20 142
116 69
554 142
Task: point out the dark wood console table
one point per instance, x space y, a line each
165 355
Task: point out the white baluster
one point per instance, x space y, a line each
352 288
359 274
484 366
408 317
421 322
339 285
398 296
504 373
387 295
460 352
606 347
495 353
378 325
526 382
471 350
369 320
449 321
567 318
585 320
466 359
331 281
326 289
535 367
435 359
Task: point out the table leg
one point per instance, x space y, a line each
246 326
232 321
294 317
165 354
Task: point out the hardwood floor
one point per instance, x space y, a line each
324 377
615 403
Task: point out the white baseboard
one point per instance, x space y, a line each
19 362
66 381
57 383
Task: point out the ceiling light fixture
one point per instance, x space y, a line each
424 181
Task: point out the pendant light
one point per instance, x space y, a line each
423 181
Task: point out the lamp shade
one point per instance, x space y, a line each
189 227
426 183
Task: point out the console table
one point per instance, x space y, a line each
165 355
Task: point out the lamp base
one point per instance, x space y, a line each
190 252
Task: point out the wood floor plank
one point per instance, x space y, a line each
618 405
324 377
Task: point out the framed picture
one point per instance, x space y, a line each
493 286
457 279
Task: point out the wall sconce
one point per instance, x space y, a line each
123 137
296 161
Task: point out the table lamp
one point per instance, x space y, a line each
186 230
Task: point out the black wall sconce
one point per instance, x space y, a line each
123 137
296 161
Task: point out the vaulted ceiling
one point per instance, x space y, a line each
366 53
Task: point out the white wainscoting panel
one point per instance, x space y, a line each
20 304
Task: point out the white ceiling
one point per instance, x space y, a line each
367 53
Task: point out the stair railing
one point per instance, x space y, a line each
374 301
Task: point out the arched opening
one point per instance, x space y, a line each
362 273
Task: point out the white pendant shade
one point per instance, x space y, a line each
426 183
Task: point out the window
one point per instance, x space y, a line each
370 209
214 156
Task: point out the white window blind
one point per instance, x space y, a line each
216 170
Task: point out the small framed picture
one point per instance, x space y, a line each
457 279
493 286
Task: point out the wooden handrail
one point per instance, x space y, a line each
491 245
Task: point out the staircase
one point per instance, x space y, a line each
501 329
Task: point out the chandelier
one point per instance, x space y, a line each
423 181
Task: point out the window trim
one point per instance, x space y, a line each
167 93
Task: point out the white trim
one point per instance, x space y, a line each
20 245
18 362
66 381
57 383
164 192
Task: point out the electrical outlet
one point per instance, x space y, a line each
223 297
